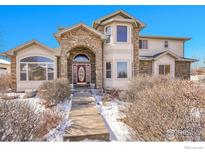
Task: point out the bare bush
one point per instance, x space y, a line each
165 109
21 121
53 92
5 84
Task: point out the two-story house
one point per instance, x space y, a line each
106 55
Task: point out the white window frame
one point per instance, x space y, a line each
164 70
108 70
165 44
27 71
108 35
143 46
127 69
127 33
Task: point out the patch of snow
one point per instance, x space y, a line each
111 114
57 133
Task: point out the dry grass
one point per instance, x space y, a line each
165 109
198 71
53 92
20 121
5 85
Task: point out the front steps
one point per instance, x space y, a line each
87 122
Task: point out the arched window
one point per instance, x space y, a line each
81 58
36 68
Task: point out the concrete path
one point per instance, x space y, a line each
87 122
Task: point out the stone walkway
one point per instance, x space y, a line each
87 123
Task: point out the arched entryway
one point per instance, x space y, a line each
81 66
78 38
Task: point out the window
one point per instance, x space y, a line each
36 68
121 69
108 70
166 45
108 32
81 58
164 69
121 33
143 44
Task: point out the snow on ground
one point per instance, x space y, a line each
63 108
111 114
57 133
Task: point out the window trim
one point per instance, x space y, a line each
164 69
108 70
110 35
166 44
27 70
142 45
81 61
127 33
127 69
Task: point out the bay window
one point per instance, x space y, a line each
108 32
36 68
108 70
121 33
121 69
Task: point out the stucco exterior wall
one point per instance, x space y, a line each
115 52
33 50
157 45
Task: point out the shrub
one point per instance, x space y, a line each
20 121
162 109
53 92
5 84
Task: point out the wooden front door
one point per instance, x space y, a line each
81 74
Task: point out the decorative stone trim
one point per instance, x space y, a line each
135 38
81 37
13 72
145 67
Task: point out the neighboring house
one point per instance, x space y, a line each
4 67
107 55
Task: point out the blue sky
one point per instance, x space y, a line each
19 24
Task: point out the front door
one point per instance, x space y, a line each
81 74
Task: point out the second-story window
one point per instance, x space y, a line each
166 44
143 44
121 33
108 32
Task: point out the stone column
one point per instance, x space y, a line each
13 72
99 69
64 65
136 61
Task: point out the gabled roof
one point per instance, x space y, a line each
167 52
166 37
123 14
25 45
60 32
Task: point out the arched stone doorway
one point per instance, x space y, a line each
86 37
81 66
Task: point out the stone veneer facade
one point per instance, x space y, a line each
145 67
13 72
91 57
81 37
136 62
